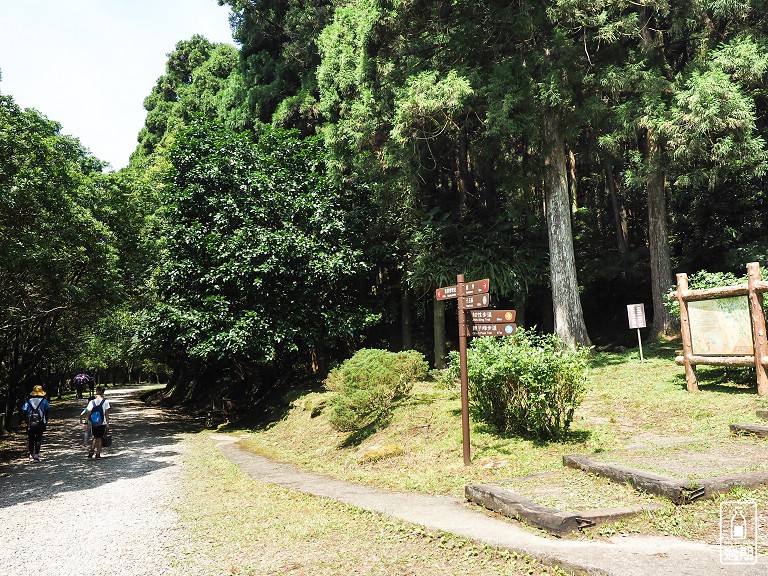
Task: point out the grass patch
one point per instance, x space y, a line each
702 459
699 521
240 526
639 414
574 491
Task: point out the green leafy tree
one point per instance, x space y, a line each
682 111
58 268
200 77
278 60
421 94
261 261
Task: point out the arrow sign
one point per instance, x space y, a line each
479 301
447 292
491 316
476 287
500 329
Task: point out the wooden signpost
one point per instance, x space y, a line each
475 320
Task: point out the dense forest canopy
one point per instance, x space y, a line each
301 196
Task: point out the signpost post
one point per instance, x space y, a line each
475 320
636 313
464 378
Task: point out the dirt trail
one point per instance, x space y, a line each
67 515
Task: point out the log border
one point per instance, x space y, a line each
678 490
750 429
520 508
557 522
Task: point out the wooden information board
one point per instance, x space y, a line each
721 327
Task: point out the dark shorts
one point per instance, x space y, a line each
98 431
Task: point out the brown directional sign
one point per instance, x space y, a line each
447 292
478 301
471 295
476 287
498 329
491 316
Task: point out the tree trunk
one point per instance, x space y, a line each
12 401
658 241
319 358
619 211
568 314
438 327
573 189
406 318
463 183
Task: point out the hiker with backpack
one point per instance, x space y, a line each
79 380
36 408
97 413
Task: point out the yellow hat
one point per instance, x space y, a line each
38 391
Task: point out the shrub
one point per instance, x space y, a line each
369 383
526 383
700 280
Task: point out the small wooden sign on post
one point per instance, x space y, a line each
636 313
475 320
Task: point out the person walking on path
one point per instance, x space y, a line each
97 413
79 380
36 408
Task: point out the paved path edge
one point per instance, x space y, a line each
621 556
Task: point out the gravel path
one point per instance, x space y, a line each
67 515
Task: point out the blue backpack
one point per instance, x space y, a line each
97 414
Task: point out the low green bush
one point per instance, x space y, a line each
368 384
527 383
700 280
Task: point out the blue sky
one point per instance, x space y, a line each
89 64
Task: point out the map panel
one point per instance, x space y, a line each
721 327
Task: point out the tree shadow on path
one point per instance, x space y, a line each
146 439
